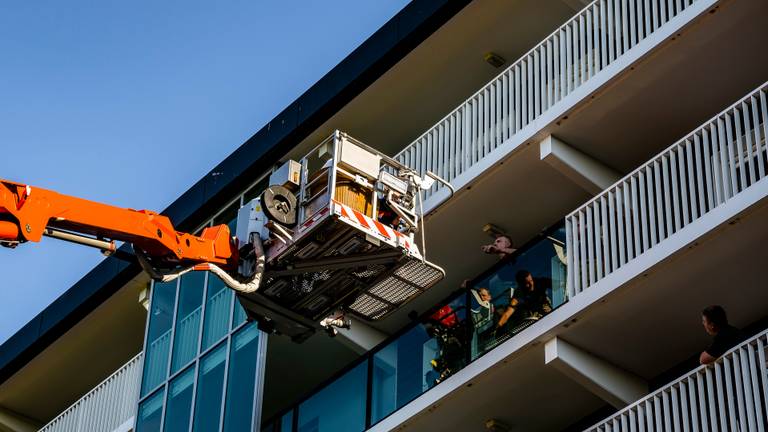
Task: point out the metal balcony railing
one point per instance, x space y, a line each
730 395
598 36
684 183
109 405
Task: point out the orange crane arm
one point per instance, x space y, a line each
27 214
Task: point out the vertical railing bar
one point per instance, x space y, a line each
667 195
659 195
673 174
764 122
624 26
699 175
603 34
718 372
685 407
591 267
644 223
733 157
730 400
683 181
597 211
569 257
612 224
724 160
711 399
583 251
628 227
756 131
536 83
702 403
709 171
744 117
691 179
635 206
651 205
606 239
694 406
756 398
620 224
739 383
763 371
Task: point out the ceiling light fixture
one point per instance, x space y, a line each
494 59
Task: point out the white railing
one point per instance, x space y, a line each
681 185
730 395
582 47
108 406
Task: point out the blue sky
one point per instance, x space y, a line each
130 103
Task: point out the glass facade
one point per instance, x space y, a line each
524 287
203 361
200 373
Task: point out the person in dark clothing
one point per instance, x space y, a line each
528 301
725 336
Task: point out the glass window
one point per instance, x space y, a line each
158 335
229 217
401 372
150 413
217 303
188 319
286 422
242 379
177 410
239 315
210 384
338 407
256 190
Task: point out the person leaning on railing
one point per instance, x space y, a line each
529 302
724 335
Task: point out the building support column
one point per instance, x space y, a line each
607 381
586 171
12 421
360 337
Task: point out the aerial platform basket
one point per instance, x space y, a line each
338 229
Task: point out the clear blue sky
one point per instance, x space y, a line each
131 102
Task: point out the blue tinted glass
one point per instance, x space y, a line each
150 413
179 402
286 422
217 304
401 372
523 290
210 385
338 407
188 319
242 379
239 316
158 335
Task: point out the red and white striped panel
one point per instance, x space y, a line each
375 228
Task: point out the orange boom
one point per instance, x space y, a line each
27 214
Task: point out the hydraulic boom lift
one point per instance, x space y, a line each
334 233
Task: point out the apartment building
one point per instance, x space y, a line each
620 144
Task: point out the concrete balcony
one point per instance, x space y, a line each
727 395
109 407
681 232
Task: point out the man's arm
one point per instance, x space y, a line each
706 358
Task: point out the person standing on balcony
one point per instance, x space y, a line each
724 335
